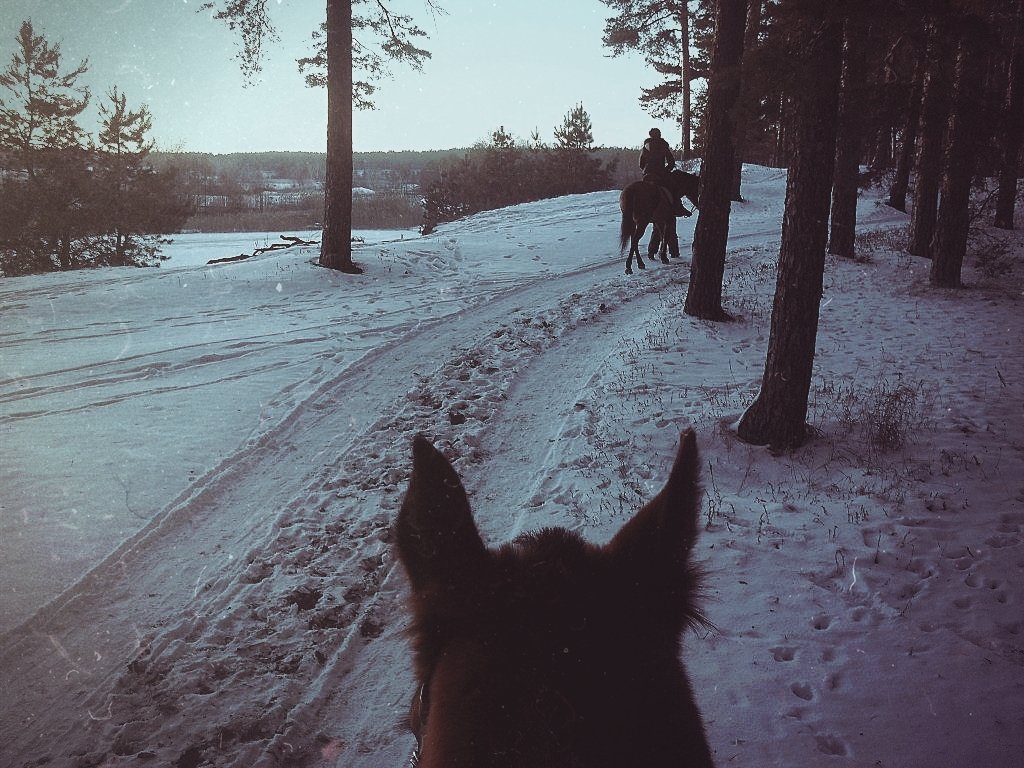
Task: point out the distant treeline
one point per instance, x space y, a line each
381 211
410 166
246 191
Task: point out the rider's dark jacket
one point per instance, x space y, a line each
656 159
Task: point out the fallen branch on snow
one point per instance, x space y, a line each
291 241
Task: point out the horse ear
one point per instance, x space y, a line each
659 538
438 542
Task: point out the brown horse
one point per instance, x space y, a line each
643 203
551 652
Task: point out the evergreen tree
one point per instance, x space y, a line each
928 162
746 102
778 414
504 171
39 113
500 178
1011 130
964 134
576 168
704 293
131 203
338 47
663 32
849 141
67 201
44 146
911 118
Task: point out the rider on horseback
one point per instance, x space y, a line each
656 162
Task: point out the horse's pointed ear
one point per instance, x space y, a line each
660 536
438 542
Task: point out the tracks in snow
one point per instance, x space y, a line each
298 581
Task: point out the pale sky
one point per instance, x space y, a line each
521 64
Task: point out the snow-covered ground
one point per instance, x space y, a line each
199 467
196 249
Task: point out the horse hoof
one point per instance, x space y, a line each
629 271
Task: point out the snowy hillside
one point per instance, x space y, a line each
199 467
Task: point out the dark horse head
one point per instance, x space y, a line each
685 184
551 652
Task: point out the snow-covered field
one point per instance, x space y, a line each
199 467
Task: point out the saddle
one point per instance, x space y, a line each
675 203
660 181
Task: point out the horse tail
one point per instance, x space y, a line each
626 227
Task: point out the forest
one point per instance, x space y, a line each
922 96
204 465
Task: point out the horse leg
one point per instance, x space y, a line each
629 256
663 245
641 227
634 249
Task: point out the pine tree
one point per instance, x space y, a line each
778 414
40 104
663 32
704 293
927 166
1011 133
131 204
964 134
576 169
850 139
337 50
40 113
744 109
908 140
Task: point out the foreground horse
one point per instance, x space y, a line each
643 203
551 652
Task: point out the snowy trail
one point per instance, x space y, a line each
512 466
299 471
260 414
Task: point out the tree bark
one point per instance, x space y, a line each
849 141
908 140
778 414
684 72
704 294
950 243
744 108
1012 129
336 243
928 168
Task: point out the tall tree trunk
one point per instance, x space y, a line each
908 140
744 108
849 140
928 168
684 72
336 243
780 153
704 294
778 414
1012 129
950 243
64 251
